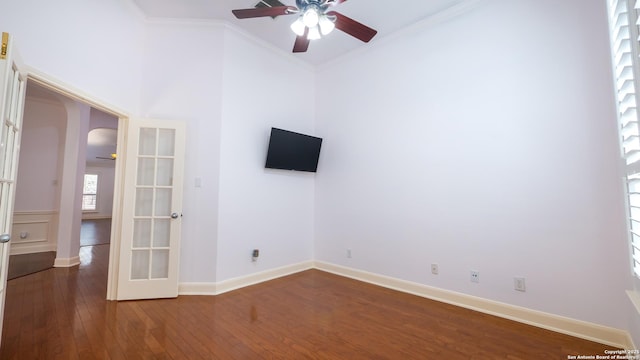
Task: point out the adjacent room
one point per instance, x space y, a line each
469 197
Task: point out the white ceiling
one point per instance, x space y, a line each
382 15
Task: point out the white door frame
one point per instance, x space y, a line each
123 118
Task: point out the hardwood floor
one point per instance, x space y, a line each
95 232
92 232
61 314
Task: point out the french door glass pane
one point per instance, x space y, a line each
9 149
146 169
163 202
161 232
166 142
144 202
4 204
159 264
141 233
140 264
147 143
165 172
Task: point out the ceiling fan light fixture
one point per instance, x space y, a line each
313 20
311 17
326 25
314 33
298 27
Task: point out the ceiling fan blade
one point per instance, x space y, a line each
334 2
352 27
264 11
302 42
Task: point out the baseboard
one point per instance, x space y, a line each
203 288
197 288
95 217
32 249
581 329
66 262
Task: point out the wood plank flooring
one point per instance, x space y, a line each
92 232
62 314
95 232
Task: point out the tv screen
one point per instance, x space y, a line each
289 150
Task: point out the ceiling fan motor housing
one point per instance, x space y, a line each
320 5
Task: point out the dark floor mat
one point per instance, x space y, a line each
21 265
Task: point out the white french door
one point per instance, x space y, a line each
12 92
152 210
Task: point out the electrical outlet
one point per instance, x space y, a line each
349 253
434 269
255 254
518 284
475 276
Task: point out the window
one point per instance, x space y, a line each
623 20
90 192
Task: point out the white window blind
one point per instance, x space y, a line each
625 42
90 192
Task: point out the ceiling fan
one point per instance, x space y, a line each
314 20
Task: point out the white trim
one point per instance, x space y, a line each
76 94
116 212
66 90
40 228
91 216
35 212
252 279
560 324
33 248
66 262
634 296
224 286
197 288
577 328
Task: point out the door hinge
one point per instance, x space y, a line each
5 45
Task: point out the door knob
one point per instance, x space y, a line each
4 238
174 215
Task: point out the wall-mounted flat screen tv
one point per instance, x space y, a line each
289 150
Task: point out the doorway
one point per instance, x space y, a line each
39 215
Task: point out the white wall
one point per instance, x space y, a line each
486 142
43 135
270 210
229 101
187 86
95 46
